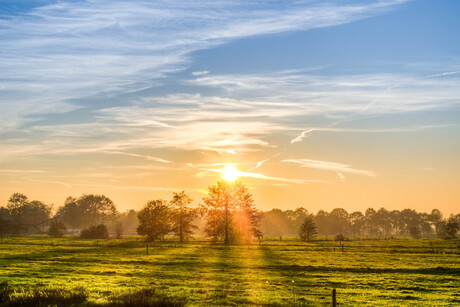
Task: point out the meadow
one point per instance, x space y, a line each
386 272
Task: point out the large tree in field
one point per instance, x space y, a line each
307 231
231 214
182 216
155 220
27 213
88 209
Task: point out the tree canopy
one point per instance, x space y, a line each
231 214
88 209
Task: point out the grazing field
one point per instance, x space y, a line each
369 272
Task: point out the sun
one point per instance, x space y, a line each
229 173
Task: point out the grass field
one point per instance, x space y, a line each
368 272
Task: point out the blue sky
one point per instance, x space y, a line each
115 96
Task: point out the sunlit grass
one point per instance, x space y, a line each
289 272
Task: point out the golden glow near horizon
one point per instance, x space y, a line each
230 173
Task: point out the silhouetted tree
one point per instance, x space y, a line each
409 218
338 220
182 216
155 220
395 221
436 219
27 213
383 221
371 221
231 214
118 229
448 230
357 222
307 231
425 224
6 223
89 209
414 231
321 220
57 229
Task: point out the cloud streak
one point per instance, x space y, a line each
339 168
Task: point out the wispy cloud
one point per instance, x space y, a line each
150 158
260 163
200 73
55 54
339 168
445 74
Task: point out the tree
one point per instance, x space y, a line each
338 220
155 219
57 229
27 213
182 216
118 229
322 222
231 214
6 222
409 218
414 231
357 222
371 220
15 202
436 219
448 230
88 209
307 230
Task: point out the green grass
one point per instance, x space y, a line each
369 272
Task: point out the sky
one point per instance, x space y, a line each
319 104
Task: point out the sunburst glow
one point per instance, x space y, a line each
230 173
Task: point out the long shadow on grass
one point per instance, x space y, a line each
285 280
227 278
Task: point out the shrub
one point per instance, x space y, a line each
340 237
57 229
146 297
95 232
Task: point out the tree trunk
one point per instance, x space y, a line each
226 223
181 237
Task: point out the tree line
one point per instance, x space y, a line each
382 222
226 214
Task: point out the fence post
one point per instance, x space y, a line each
147 249
334 300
